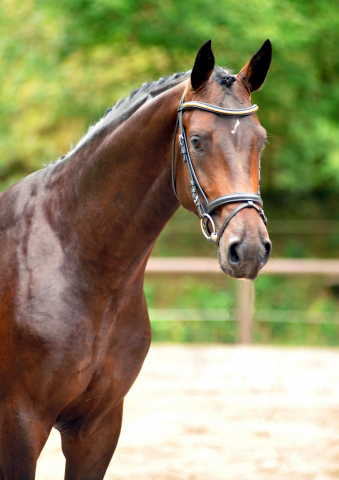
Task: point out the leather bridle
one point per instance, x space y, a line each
204 207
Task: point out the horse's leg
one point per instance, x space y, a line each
87 457
22 438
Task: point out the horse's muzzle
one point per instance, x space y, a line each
244 256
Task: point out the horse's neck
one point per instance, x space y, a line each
121 185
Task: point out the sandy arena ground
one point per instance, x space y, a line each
226 413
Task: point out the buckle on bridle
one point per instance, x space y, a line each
182 146
263 216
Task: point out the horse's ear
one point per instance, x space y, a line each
203 66
254 72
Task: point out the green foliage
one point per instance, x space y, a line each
186 292
63 63
296 310
194 332
303 298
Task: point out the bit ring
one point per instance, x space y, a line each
205 230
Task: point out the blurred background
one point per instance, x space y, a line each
62 64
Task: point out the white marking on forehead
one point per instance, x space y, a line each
237 123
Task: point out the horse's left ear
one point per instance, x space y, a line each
203 66
254 72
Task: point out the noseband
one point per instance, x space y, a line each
206 209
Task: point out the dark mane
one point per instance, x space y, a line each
124 108
153 89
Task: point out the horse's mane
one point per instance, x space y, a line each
124 108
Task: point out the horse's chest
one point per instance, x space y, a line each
103 375
68 335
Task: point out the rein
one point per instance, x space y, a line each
204 207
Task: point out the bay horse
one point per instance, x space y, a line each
75 238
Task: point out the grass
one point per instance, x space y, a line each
289 310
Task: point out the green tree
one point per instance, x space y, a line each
64 62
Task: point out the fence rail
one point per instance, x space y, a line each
245 293
275 266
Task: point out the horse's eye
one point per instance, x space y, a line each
265 143
196 143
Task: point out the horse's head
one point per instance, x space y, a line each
221 140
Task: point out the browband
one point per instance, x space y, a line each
218 110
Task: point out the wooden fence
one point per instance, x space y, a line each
245 291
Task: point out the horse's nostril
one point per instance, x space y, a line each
268 247
266 256
233 256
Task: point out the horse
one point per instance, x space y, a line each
75 238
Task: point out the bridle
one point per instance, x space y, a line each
206 208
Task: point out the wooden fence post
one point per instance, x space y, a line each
245 311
